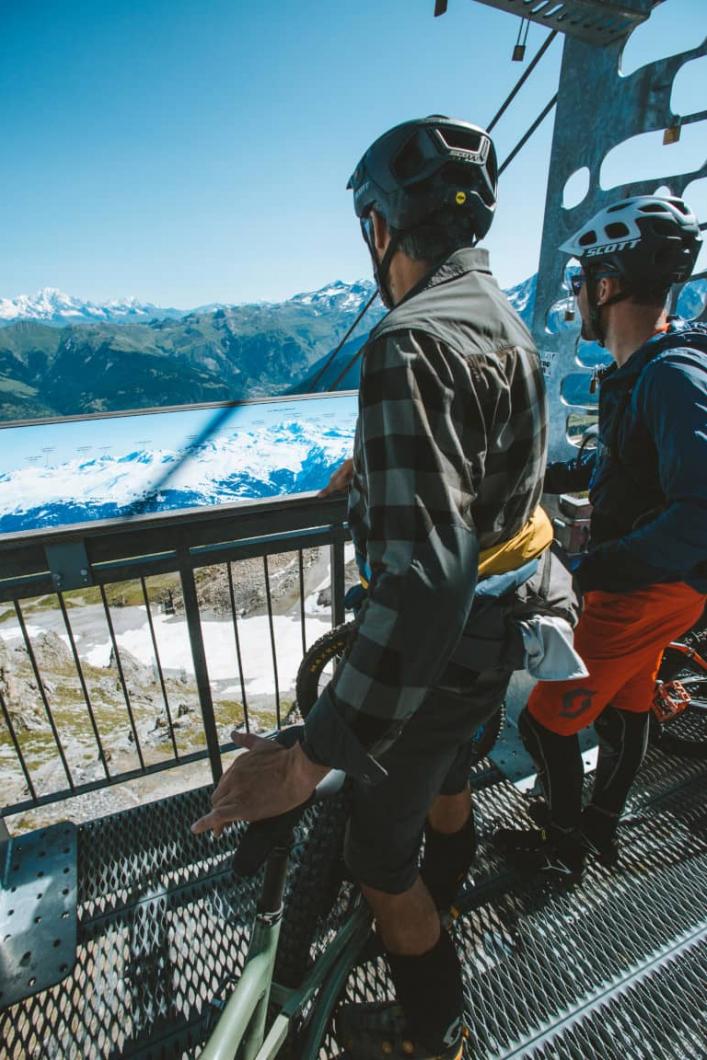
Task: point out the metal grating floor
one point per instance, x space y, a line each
614 968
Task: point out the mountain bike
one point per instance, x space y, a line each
283 999
679 709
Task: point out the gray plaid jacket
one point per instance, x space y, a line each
449 458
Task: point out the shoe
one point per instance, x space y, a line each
598 832
548 851
370 1031
539 812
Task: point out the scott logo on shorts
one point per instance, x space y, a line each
612 248
576 702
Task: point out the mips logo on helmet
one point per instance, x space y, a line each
613 248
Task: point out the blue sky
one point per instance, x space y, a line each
189 151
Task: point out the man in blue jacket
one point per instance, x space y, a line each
644 577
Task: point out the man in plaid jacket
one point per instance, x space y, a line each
444 484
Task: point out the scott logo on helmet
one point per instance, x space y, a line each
613 248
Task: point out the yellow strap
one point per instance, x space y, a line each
531 540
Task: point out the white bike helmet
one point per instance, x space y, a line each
649 241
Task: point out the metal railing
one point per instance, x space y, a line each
52 574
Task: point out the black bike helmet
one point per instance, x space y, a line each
648 242
425 165
419 169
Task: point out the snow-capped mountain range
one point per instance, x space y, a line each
266 459
52 306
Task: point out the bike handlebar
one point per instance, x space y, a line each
262 837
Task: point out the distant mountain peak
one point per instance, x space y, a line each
337 295
50 305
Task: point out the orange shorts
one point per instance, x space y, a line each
621 637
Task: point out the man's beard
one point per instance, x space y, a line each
587 332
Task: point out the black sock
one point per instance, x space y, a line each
429 989
623 738
446 861
559 763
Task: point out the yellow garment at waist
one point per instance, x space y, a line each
531 540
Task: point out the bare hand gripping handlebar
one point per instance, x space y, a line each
262 837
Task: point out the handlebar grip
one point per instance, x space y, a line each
261 837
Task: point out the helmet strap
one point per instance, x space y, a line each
382 267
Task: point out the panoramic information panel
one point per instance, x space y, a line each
72 471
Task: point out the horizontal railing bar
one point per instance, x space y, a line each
122 570
23 555
151 410
115 778
120 530
268 545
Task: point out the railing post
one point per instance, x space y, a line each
201 673
338 586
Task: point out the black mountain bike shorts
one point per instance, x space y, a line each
431 757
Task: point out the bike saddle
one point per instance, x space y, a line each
262 837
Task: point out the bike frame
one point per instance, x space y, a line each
691 653
240 1031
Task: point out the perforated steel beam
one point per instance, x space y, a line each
592 21
597 109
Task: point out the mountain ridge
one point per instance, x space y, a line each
214 353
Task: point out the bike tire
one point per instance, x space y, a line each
329 649
686 734
316 875
328 652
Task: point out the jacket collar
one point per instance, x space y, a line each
680 333
460 262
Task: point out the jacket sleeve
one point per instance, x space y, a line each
422 550
672 400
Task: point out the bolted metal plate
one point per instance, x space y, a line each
37 911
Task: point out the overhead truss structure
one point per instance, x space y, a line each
591 21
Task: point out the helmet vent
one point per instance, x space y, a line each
664 228
460 139
616 230
408 162
617 206
652 207
588 238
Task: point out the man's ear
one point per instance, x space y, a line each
381 234
607 287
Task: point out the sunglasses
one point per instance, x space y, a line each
577 283
578 279
367 231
